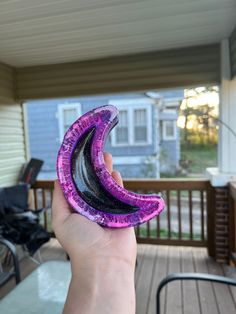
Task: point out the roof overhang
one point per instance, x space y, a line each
51 32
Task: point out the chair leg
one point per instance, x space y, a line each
12 249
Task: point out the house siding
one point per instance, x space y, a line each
12 140
45 141
144 71
44 132
44 129
137 170
170 149
169 161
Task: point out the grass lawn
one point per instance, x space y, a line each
164 234
199 157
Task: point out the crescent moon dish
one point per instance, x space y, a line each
85 181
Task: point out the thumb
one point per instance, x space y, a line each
60 208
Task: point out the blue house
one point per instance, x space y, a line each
143 144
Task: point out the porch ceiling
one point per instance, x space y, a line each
58 31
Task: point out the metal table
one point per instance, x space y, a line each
43 291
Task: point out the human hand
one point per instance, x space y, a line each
84 239
105 256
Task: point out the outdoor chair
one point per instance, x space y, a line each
30 171
8 270
18 223
190 276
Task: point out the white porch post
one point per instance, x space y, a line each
226 170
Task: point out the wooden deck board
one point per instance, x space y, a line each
143 284
154 263
190 288
174 289
230 272
223 295
160 271
207 299
139 263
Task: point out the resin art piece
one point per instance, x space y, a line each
85 181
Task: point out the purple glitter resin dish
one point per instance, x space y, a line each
85 181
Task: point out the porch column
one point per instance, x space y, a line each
227 140
226 170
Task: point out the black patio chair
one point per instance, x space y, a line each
30 171
9 251
18 223
190 276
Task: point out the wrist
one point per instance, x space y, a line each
100 263
104 280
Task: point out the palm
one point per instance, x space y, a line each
78 234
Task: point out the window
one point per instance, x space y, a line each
169 130
67 114
122 136
140 125
135 123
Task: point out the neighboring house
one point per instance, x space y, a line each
169 133
143 144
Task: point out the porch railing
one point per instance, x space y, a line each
185 220
232 220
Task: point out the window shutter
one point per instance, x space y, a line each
12 140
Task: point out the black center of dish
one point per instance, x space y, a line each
87 182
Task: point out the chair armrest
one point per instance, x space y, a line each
190 276
12 249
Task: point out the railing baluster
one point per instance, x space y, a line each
202 216
179 214
138 231
168 213
190 214
173 209
158 227
45 212
36 199
148 229
51 195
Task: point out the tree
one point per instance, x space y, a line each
198 115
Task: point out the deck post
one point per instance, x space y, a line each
232 223
226 171
210 221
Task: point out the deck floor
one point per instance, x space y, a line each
154 263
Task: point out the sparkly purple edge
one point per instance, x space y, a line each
103 119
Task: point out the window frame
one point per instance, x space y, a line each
114 133
166 137
130 106
144 125
61 109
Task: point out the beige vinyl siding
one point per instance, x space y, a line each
163 69
233 53
12 143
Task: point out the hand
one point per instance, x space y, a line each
106 256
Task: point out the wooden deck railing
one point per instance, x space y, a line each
232 220
185 220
